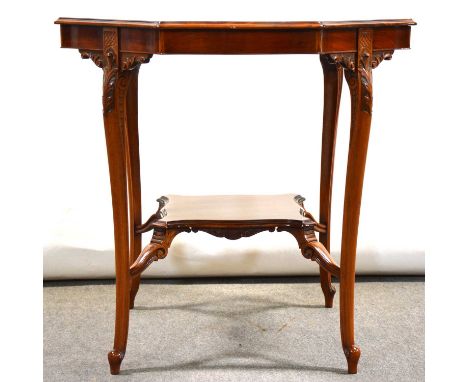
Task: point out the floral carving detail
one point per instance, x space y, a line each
110 79
378 57
233 233
116 67
94 56
345 60
111 68
366 83
365 69
366 61
132 61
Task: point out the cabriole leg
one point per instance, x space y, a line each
121 129
114 93
133 171
359 78
332 84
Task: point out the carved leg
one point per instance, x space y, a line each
359 78
120 74
333 79
114 93
133 172
114 115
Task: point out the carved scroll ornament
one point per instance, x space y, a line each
116 66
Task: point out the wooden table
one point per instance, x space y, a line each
354 48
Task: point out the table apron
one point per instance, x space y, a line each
234 41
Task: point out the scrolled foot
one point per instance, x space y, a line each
352 356
115 359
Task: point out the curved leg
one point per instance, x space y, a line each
114 91
119 72
333 79
327 288
115 140
359 80
133 172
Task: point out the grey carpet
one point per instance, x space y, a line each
234 330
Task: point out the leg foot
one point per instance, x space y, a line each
352 356
134 290
132 297
115 359
327 288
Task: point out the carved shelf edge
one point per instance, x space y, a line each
163 235
155 221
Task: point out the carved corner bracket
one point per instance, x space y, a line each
114 70
348 60
116 65
358 67
379 56
343 60
162 238
155 250
132 61
312 249
94 55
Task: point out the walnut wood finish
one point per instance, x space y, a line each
358 73
133 174
120 47
360 86
232 217
234 37
121 128
333 79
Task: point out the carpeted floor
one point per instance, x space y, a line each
269 329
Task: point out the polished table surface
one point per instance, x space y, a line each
234 37
240 208
348 50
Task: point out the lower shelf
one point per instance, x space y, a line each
232 217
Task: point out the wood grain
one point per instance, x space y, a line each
333 79
201 37
360 84
234 24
